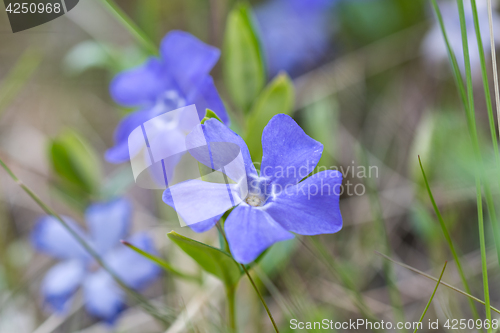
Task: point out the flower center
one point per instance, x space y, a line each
255 200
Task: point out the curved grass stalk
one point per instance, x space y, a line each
432 296
449 241
131 26
434 279
468 100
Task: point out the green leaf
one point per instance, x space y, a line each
278 97
243 62
212 260
209 114
74 162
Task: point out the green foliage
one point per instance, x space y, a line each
212 260
209 114
76 166
243 61
278 97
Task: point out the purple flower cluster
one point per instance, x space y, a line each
107 224
179 77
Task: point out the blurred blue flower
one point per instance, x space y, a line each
107 223
180 77
434 47
295 33
271 205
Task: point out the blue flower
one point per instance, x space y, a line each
295 33
107 223
180 77
269 205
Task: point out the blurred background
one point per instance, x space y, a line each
372 83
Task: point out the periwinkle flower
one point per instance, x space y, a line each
433 46
107 223
179 77
270 205
295 33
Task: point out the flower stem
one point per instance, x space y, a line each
130 25
231 308
261 298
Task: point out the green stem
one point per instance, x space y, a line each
434 279
449 240
261 298
491 120
139 298
231 308
131 26
162 263
471 122
432 297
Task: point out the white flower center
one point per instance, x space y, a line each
255 200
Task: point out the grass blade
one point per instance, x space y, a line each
18 76
449 241
143 302
494 61
432 297
131 26
162 263
434 279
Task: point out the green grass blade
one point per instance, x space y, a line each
491 120
434 279
448 240
131 26
494 61
471 124
18 76
162 263
143 302
432 297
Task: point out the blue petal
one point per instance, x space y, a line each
250 231
135 270
103 297
201 203
295 34
187 58
108 223
50 237
206 96
289 154
140 86
61 282
310 207
214 131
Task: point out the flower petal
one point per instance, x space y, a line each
206 96
250 231
61 282
310 207
135 270
216 132
140 86
289 154
187 58
108 222
103 297
201 203
50 237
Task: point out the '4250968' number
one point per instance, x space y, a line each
24 8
